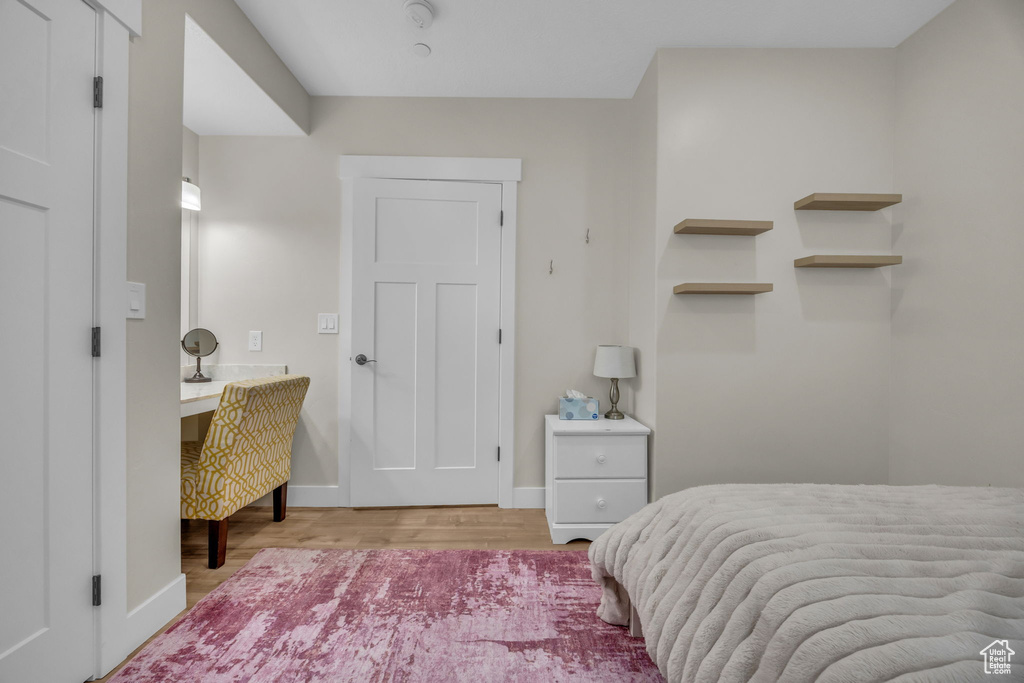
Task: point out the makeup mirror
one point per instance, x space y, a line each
199 343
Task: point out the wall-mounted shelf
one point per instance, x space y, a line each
708 226
846 261
845 201
723 288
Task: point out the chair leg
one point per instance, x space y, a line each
218 542
280 502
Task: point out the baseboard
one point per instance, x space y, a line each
327 497
151 615
306 497
528 497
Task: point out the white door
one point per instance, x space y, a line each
425 308
47 56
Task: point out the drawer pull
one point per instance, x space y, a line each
602 459
601 503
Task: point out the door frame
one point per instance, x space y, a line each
504 172
116 633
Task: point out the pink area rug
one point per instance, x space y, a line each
398 615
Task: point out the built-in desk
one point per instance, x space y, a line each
204 397
201 398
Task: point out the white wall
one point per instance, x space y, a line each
189 241
791 385
958 302
270 249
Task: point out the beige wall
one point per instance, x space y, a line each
642 183
273 205
154 218
791 385
958 302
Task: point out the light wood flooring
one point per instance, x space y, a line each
250 529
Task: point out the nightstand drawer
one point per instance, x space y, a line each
598 501
600 457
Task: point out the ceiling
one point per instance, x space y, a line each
549 48
220 98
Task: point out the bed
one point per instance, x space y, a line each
803 582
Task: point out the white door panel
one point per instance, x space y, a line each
445 232
455 389
394 375
426 303
47 56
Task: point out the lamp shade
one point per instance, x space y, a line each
190 195
614 361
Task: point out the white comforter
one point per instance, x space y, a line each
802 582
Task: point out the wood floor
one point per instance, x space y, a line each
252 528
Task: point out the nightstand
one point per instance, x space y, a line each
595 473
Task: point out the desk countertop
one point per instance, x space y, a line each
202 390
203 397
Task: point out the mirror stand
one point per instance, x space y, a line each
199 376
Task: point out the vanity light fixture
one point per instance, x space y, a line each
190 195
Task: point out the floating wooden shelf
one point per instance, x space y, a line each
845 261
708 226
845 201
723 288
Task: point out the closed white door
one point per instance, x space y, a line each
47 56
425 312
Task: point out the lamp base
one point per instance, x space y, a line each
613 398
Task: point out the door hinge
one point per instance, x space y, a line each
97 92
499 335
501 219
499 453
96 594
95 342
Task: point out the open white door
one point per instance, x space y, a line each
426 283
47 62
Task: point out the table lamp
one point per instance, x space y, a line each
615 363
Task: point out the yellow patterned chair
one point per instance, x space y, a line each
246 455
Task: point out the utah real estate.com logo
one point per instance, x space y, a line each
997 657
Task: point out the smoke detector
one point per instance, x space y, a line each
419 12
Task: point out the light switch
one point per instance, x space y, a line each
327 323
136 300
255 340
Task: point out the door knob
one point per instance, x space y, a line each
601 503
601 459
361 359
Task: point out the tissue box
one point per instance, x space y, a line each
578 408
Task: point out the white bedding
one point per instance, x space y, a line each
802 582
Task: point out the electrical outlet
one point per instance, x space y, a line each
255 340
